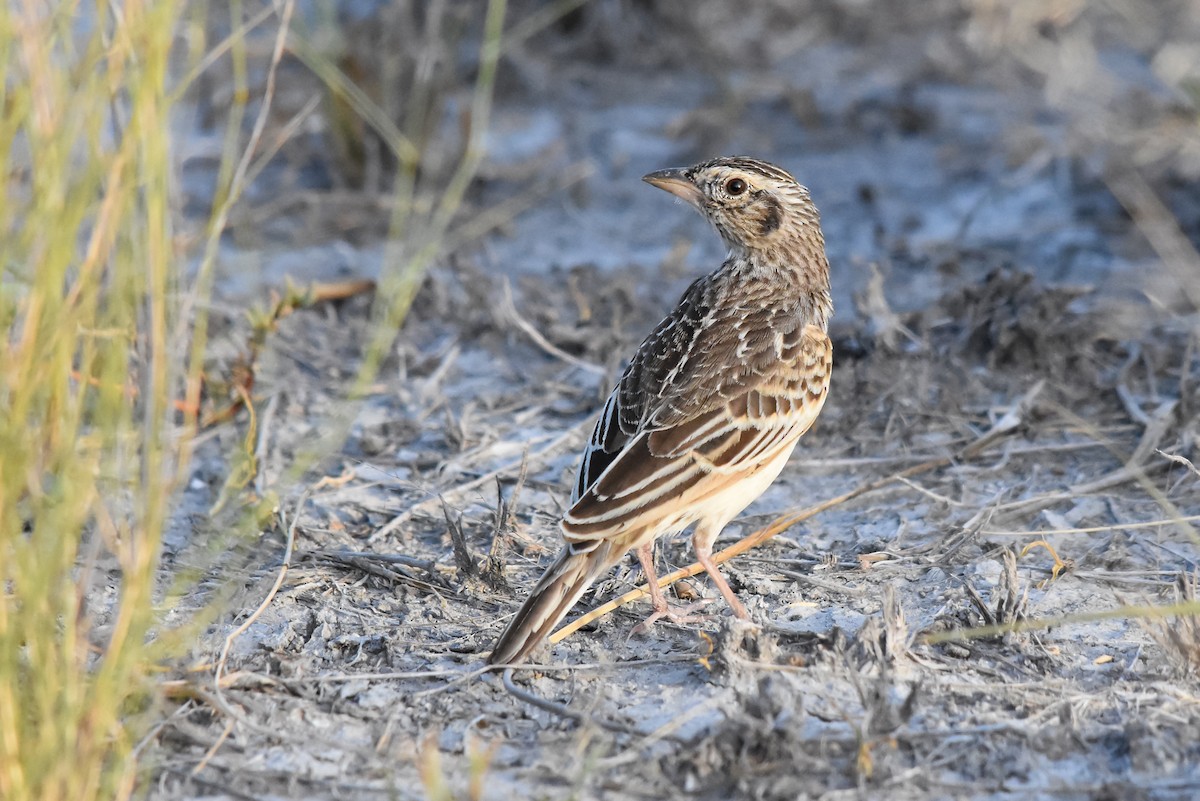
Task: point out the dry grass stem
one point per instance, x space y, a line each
509 309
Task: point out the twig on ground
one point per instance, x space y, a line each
1183 460
508 308
216 746
1122 475
1159 424
1090 529
562 710
1136 468
350 557
663 732
822 465
261 447
854 591
1132 407
929 493
370 563
217 696
461 678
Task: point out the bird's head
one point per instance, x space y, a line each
755 206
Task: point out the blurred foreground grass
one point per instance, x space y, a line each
105 342
94 423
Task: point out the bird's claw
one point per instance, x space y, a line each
675 614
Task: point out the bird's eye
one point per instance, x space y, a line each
735 186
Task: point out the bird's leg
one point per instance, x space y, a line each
662 609
702 543
645 555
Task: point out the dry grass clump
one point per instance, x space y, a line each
1179 637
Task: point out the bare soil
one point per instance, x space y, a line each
999 314
365 659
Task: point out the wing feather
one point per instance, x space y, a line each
664 468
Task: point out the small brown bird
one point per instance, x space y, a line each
713 401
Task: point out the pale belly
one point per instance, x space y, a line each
714 509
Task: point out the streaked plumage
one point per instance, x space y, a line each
713 401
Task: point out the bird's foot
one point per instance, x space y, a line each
675 614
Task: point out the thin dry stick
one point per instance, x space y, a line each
509 308
264 442
1122 475
1136 470
264 112
1166 521
212 750
220 49
1008 423
262 607
1183 460
780 525
636 751
562 710
220 217
1120 612
281 138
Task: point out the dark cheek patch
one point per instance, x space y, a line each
772 216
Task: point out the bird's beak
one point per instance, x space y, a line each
677 183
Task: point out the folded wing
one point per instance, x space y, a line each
707 400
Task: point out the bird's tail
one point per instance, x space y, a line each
560 587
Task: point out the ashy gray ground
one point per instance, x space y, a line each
1010 330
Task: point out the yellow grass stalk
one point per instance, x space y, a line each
89 372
